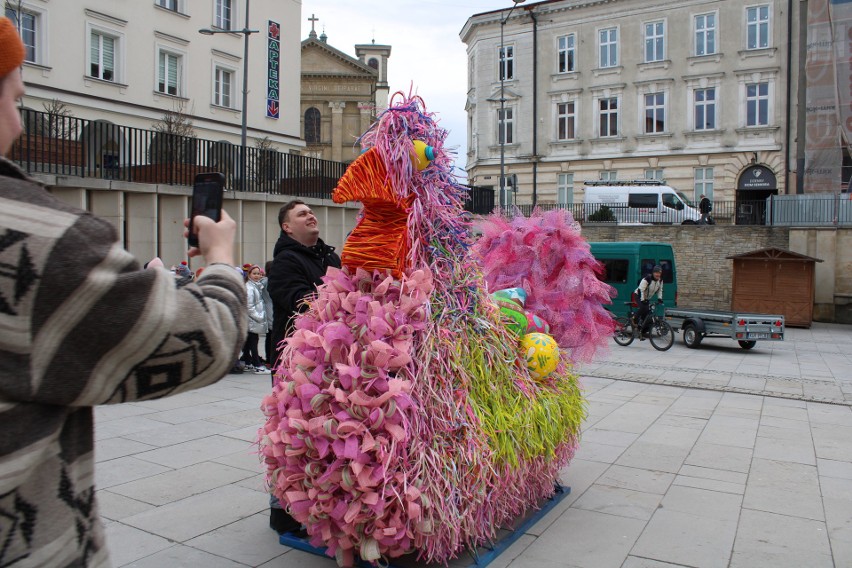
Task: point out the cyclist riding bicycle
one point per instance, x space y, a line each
649 286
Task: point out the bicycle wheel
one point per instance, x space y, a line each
623 331
662 336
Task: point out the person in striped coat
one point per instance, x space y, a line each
82 324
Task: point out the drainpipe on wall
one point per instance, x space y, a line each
802 98
789 91
535 110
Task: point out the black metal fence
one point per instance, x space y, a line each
65 145
724 212
810 210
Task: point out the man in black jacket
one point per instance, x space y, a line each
704 207
300 261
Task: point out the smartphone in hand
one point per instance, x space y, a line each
206 200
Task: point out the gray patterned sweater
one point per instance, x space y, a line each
81 324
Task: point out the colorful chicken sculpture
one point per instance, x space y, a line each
405 418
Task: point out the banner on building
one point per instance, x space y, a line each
273 67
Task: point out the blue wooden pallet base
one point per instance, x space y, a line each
481 557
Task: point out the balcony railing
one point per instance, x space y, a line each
811 210
70 146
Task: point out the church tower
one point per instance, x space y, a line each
340 95
376 56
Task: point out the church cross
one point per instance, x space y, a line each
313 19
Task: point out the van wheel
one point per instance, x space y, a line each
691 338
747 344
688 222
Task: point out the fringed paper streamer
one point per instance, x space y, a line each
546 255
380 240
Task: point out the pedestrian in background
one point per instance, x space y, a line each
257 319
704 207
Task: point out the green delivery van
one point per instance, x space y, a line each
626 263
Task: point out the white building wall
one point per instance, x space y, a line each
62 68
678 150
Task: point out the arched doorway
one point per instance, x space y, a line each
754 186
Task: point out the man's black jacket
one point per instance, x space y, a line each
295 273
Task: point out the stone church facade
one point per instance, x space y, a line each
340 96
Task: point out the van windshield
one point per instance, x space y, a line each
685 199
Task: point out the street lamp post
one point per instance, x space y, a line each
502 70
246 33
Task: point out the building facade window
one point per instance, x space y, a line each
655 113
313 124
608 175
506 71
169 73
655 43
102 56
565 51
655 174
705 34
703 183
565 189
705 109
608 47
222 15
505 126
566 118
223 87
757 27
168 4
757 104
373 63
28 25
608 117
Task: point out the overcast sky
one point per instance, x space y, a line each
426 51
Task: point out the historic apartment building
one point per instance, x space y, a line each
129 63
341 95
691 91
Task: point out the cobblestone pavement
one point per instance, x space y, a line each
739 459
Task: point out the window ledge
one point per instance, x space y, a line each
175 12
607 139
757 129
35 65
571 142
651 65
704 133
761 52
567 76
653 136
105 82
178 97
709 58
214 106
504 146
603 71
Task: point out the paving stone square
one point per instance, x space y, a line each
742 460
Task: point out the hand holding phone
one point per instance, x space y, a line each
206 200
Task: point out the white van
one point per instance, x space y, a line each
638 201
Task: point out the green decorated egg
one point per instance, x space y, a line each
541 354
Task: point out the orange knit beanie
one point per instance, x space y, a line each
12 50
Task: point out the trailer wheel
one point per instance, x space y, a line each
747 344
691 337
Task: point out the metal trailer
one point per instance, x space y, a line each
745 328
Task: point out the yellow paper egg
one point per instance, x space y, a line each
541 354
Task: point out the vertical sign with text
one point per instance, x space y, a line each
273 69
